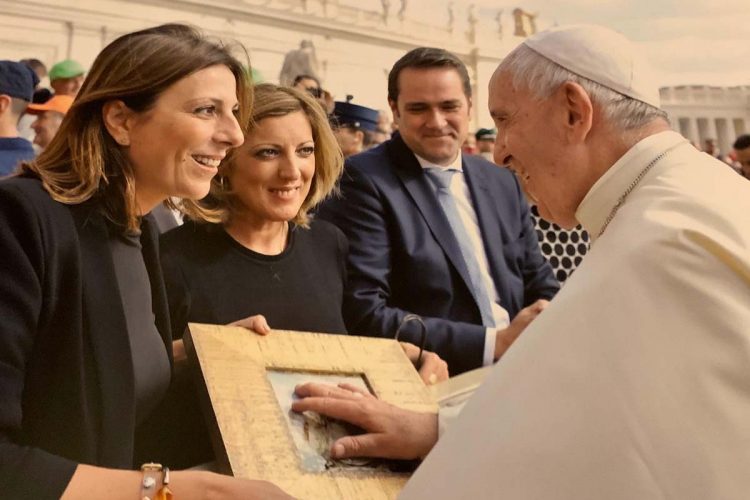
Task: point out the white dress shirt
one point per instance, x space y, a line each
462 197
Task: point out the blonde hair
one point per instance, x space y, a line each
83 162
273 101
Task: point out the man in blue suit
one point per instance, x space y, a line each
437 233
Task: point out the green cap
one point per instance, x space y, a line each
66 69
256 76
253 75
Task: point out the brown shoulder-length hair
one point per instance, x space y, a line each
273 100
83 162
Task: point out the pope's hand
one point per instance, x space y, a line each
390 432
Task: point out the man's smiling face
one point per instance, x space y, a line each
531 141
432 112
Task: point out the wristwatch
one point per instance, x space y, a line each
155 482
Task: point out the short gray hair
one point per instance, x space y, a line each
542 77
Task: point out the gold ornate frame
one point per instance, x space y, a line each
250 432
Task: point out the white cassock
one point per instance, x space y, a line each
634 383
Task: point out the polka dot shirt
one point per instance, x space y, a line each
563 249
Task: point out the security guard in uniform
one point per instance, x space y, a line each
353 126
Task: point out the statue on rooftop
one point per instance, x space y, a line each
525 22
472 20
499 21
301 61
402 10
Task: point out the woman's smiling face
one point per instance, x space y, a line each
272 172
175 146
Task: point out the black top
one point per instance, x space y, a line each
211 278
66 377
150 362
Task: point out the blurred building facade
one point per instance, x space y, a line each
356 41
701 112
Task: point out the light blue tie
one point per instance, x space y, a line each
442 180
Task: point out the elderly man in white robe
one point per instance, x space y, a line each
635 382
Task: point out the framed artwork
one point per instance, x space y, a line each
247 387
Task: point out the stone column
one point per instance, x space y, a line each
711 128
731 133
693 131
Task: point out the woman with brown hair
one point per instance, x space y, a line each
85 341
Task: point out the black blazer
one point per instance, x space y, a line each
66 377
403 256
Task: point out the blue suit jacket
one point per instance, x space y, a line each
404 257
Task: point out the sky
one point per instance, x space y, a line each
688 42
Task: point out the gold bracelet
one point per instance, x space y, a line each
150 488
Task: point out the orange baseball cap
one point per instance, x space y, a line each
59 103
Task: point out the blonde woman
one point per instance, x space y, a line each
252 247
254 256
